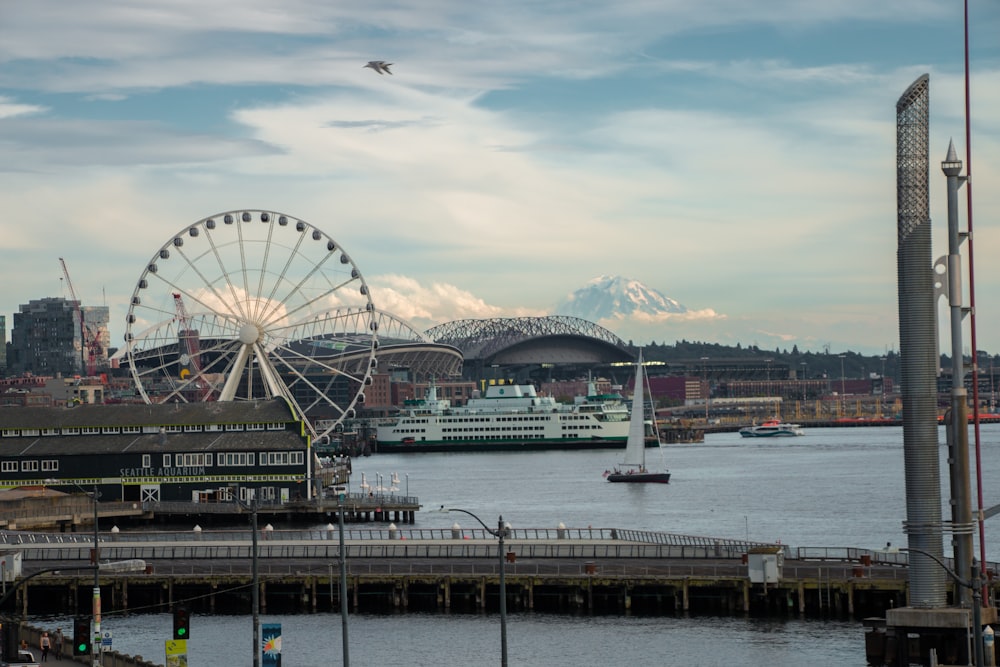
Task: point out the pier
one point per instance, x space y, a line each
547 570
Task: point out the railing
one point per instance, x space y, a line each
424 543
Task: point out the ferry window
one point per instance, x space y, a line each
146 460
166 460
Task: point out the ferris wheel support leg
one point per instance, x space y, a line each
235 375
274 384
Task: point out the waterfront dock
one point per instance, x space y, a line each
546 570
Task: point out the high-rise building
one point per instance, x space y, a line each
46 338
3 345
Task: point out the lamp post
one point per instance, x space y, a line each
499 533
255 573
343 581
96 644
842 385
805 379
977 602
708 389
96 557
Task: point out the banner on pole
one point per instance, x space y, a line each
271 639
176 651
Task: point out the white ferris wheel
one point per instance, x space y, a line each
250 305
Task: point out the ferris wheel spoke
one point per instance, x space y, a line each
189 295
268 244
321 396
296 289
237 303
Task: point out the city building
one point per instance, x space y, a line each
54 336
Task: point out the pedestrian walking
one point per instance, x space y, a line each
59 643
45 643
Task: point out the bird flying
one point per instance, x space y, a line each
379 66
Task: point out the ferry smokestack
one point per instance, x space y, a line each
918 348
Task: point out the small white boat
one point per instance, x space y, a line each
772 428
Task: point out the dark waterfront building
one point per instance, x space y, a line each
190 452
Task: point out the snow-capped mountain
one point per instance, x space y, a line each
614 297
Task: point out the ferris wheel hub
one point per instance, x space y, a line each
249 333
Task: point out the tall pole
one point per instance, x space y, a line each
842 387
958 429
499 533
95 645
255 595
503 594
343 582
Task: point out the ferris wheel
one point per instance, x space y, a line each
250 305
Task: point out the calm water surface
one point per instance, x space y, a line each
831 487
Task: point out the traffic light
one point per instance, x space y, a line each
81 636
182 623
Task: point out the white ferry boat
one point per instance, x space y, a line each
772 428
509 417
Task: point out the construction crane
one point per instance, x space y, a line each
190 352
89 360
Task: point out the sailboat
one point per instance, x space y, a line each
633 468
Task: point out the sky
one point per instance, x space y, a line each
736 156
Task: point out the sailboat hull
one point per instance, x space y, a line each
640 477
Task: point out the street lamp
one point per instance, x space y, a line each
975 586
708 389
343 581
842 390
96 605
805 378
255 574
499 533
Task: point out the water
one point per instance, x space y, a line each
831 487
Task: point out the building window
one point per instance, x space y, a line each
29 466
147 460
50 465
8 466
166 460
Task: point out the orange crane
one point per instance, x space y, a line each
188 338
90 342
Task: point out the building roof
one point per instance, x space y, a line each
90 445
158 414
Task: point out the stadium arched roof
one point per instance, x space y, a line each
515 341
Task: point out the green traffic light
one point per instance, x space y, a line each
181 631
81 648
